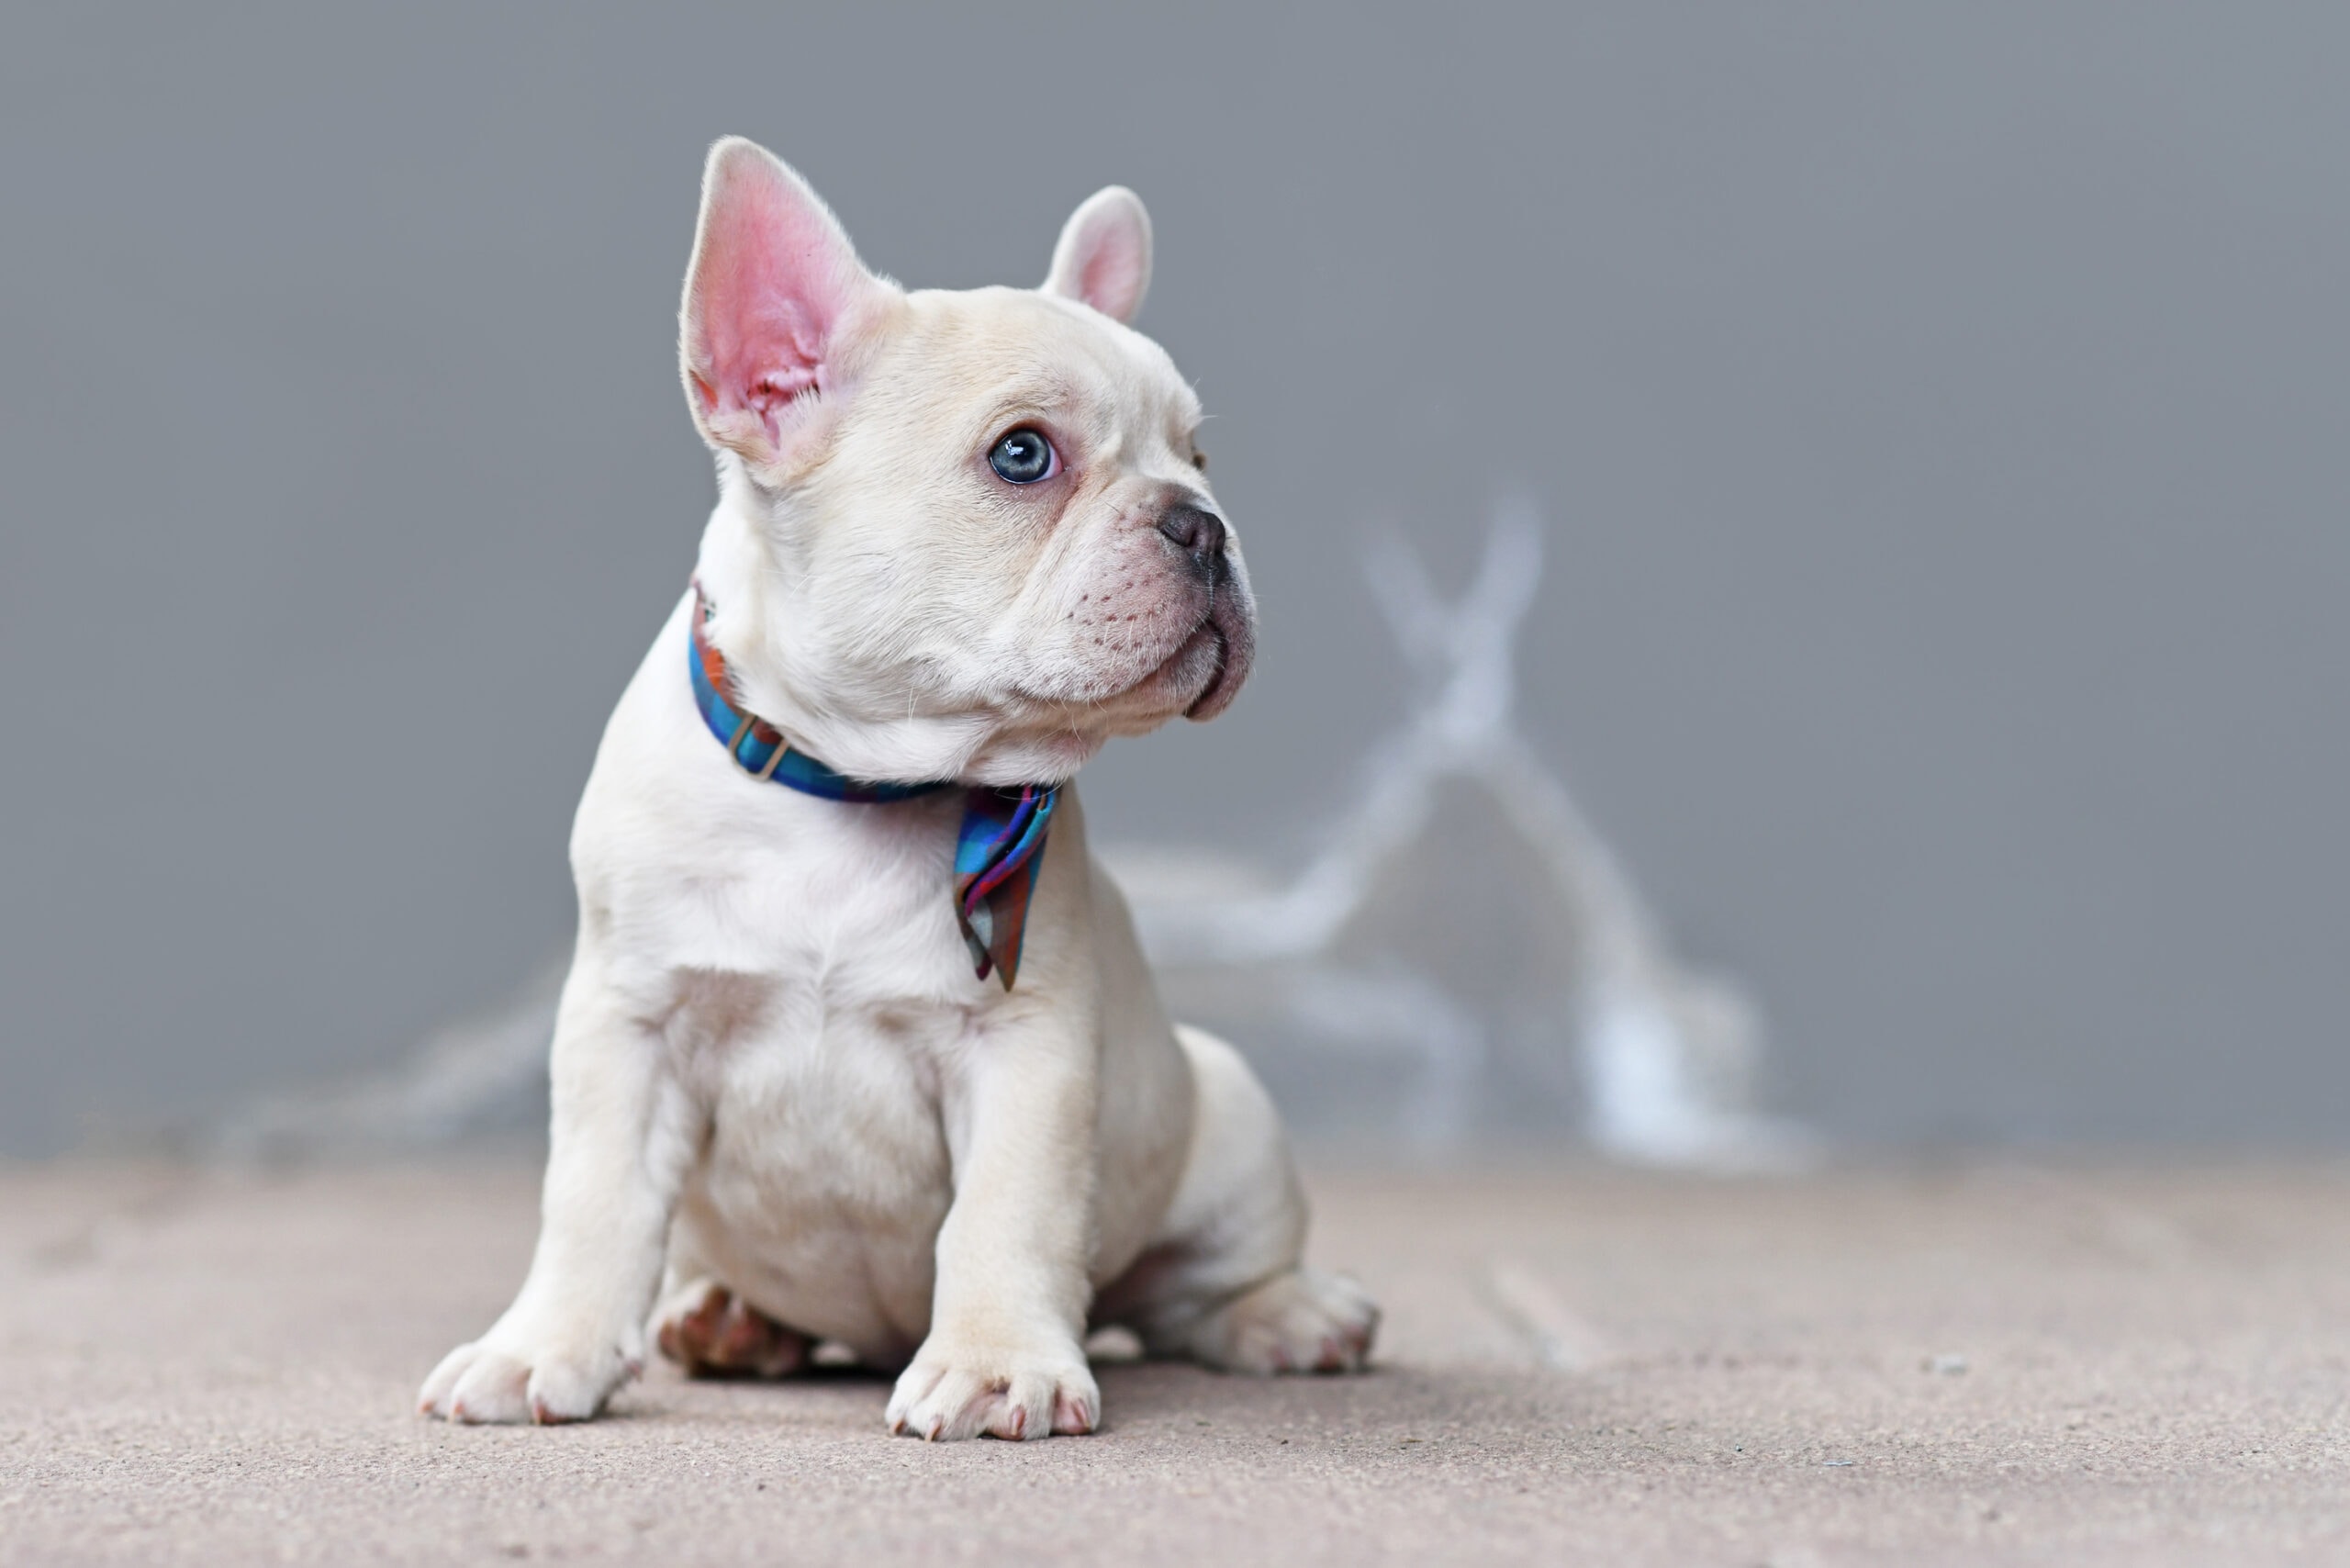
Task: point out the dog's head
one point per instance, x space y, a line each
963 535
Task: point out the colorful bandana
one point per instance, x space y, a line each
998 849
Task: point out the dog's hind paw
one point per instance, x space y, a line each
504 1378
1301 1321
712 1332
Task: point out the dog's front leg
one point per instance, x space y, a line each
1005 1355
623 1133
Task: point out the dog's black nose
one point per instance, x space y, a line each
1199 533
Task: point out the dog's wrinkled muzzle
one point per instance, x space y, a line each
1232 621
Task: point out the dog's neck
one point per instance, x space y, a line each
999 841
773 647
780 667
762 750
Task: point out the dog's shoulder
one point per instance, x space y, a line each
686 863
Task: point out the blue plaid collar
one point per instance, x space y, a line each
999 849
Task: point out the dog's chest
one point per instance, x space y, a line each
800 923
816 986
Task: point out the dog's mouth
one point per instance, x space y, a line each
1226 641
1209 639
1198 678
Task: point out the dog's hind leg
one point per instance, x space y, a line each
712 1332
1224 1283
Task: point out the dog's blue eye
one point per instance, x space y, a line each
1022 457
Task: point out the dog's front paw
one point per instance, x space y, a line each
512 1375
959 1388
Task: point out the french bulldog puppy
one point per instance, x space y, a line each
809 1083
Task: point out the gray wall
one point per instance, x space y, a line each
1940 413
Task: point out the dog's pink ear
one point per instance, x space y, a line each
1104 257
774 291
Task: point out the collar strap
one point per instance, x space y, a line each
757 747
999 848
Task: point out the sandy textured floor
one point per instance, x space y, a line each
1972 1365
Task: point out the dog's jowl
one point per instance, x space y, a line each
858 1044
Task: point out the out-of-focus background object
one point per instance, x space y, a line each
1934 416
1465 951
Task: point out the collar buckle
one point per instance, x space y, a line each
734 749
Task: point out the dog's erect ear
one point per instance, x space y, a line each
774 290
1104 257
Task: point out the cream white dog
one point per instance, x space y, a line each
960 537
